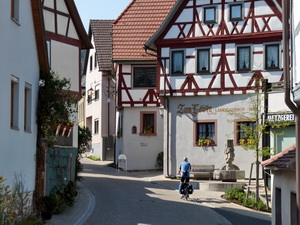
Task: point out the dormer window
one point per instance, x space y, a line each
272 56
243 59
177 62
236 12
210 15
203 65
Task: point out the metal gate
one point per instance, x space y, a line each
109 148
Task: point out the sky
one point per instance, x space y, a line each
100 9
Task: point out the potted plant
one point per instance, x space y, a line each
243 141
49 204
202 141
209 141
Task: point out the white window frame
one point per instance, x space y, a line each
209 61
250 58
279 56
96 126
183 61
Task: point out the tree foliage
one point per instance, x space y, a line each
56 104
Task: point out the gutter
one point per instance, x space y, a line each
166 104
286 11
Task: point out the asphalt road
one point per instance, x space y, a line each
136 199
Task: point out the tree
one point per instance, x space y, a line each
253 132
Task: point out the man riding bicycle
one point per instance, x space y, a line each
184 171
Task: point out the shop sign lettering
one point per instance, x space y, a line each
194 109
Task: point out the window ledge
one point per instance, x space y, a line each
143 134
15 128
16 21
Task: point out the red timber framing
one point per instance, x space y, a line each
192 34
150 97
71 16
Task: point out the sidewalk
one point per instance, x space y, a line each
85 201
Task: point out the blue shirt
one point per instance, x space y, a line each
185 166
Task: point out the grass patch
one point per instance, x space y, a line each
94 157
239 196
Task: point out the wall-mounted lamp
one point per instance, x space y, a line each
161 111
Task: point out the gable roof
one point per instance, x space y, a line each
150 43
102 32
137 23
78 24
40 35
283 160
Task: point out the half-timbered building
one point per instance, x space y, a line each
65 37
139 125
211 53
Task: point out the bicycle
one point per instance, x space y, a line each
186 190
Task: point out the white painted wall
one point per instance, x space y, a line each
141 151
286 181
18 57
94 108
182 132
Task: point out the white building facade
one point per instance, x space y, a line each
21 60
100 90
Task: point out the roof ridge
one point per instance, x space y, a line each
124 11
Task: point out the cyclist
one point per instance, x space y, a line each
184 171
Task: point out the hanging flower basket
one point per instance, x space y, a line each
58 129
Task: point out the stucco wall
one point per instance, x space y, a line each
141 151
18 57
182 132
286 181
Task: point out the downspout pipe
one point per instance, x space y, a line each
166 103
287 91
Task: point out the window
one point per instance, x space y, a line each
205 130
15 10
89 95
243 59
148 121
144 77
91 63
49 52
236 12
27 107
95 63
203 56
246 130
96 126
272 56
96 92
14 103
210 15
177 66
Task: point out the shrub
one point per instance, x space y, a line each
239 196
95 158
159 160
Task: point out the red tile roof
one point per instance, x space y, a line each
138 22
283 159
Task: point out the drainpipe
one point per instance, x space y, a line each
287 82
166 104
